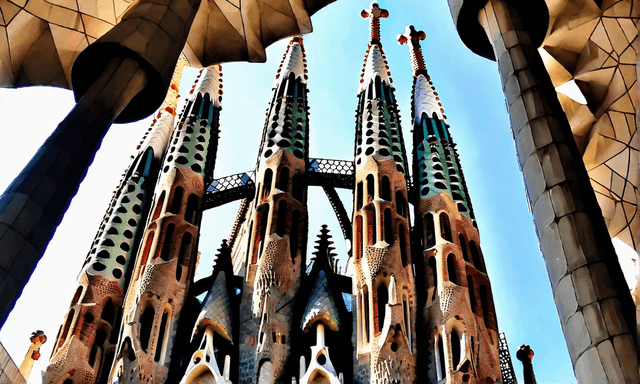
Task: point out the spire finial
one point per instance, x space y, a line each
412 36
374 13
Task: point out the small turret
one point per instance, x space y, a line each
37 339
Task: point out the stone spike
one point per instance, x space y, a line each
412 38
171 100
374 14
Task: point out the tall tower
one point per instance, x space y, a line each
166 260
382 268
85 346
459 332
270 253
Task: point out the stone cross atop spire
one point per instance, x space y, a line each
412 38
374 13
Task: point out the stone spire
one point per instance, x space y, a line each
166 261
386 311
436 163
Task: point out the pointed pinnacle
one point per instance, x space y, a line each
374 13
415 52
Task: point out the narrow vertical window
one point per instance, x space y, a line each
166 245
249 248
445 227
359 243
67 326
98 345
386 189
185 254
475 255
359 194
177 200
283 179
296 188
429 228
146 326
472 294
463 247
365 295
451 269
388 227
191 212
432 274
266 186
485 305
383 299
370 188
441 363
401 204
108 312
145 253
161 334
455 349
374 226
293 237
76 296
159 205
282 218
403 244
264 220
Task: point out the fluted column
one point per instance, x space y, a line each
595 307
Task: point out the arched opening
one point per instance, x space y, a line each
98 345
76 296
264 220
402 234
374 226
283 179
442 369
359 194
109 312
463 247
365 297
359 246
106 367
249 238
432 273
370 188
401 204
451 269
429 229
191 213
165 255
161 335
296 188
383 299
282 218
177 200
485 306
293 237
185 254
67 325
159 204
388 228
445 227
455 349
385 193
472 294
266 186
146 326
475 255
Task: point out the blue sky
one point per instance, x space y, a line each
470 90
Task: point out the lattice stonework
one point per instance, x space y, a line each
592 64
506 366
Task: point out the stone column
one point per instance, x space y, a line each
122 77
595 307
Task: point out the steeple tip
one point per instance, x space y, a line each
374 14
412 38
